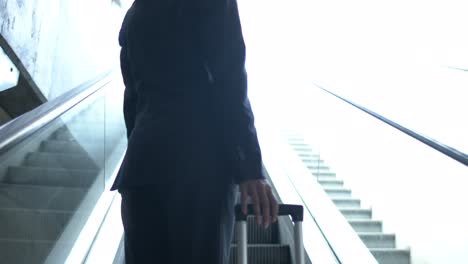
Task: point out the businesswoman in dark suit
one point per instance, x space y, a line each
191 134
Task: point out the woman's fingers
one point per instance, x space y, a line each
244 198
264 203
274 206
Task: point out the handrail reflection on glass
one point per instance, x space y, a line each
20 128
447 150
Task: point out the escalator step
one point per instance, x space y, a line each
314 157
372 240
338 192
62 146
348 203
324 175
30 224
96 135
19 251
60 160
331 183
312 162
304 150
318 168
352 214
392 256
297 143
366 225
65 134
40 197
264 254
258 235
50 176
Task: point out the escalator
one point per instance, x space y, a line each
54 164
370 231
374 188
57 163
264 245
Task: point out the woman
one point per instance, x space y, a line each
191 132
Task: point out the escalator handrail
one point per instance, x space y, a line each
445 149
457 68
18 129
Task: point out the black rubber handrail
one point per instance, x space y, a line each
457 68
447 150
295 211
20 128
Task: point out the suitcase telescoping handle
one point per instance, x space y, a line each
295 211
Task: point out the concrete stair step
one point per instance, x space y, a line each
260 235
331 183
60 160
353 214
40 197
392 256
338 192
378 240
366 226
30 224
264 254
50 176
349 203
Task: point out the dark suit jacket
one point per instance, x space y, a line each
185 105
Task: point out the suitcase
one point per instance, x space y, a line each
297 214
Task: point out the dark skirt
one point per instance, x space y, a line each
190 224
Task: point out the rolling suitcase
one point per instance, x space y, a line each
297 214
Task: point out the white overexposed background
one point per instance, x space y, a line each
406 60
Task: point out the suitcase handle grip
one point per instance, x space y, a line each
295 211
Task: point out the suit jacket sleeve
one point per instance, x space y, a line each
130 95
224 50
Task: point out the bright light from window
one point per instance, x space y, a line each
393 57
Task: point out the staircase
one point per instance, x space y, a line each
380 244
263 245
42 193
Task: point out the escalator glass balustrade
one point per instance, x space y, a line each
51 181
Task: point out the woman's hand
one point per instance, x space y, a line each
264 203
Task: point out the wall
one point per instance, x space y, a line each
62 43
